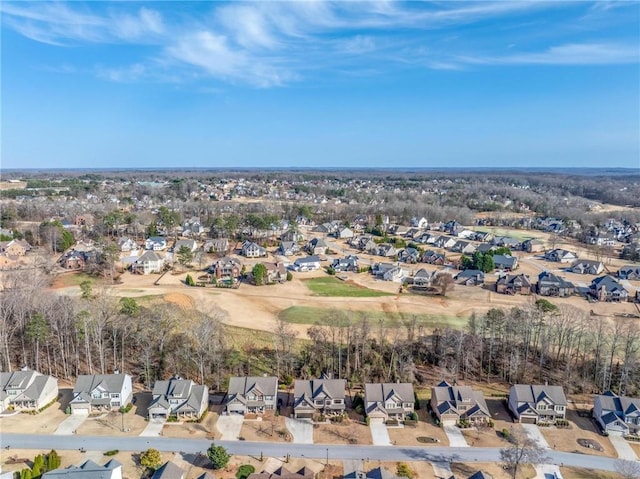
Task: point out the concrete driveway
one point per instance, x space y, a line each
442 470
547 471
622 447
69 425
154 428
379 434
533 432
230 426
455 436
302 431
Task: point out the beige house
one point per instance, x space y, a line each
324 395
388 401
453 404
27 390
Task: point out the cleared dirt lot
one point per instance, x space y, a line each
347 432
408 436
581 428
192 430
271 428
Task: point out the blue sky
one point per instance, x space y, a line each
311 83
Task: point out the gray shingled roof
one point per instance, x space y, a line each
168 470
380 392
240 386
533 393
333 388
87 470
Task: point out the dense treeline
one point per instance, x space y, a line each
97 333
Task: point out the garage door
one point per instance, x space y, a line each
80 411
527 420
376 420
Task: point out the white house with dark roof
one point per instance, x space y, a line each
27 390
149 262
155 243
178 397
537 403
100 392
87 470
453 404
629 271
586 266
388 401
322 395
252 250
617 414
308 263
252 394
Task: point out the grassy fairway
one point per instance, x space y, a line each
330 286
308 315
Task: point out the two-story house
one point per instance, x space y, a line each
288 248
308 263
550 284
617 414
505 262
453 404
324 395
348 263
316 246
155 243
388 401
514 284
470 277
252 394
630 272
585 266
252 250
606 288
276 273
149 262
127 245
216 245
534 403
27 390
225 268
559 255
100 392
178 397
14 247
432 257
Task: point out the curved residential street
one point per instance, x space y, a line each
312 451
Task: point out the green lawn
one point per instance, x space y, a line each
309 315
520 235
330 286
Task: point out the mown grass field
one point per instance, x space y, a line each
310 315
330 286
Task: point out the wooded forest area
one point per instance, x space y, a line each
99 333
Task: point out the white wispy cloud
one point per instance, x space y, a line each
267 44
569 54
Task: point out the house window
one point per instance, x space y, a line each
542 407
559 408
337 401
318 402
408 405
268 398
115 395
269 406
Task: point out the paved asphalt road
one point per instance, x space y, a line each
313 451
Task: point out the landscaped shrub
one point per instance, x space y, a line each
427 440
410 423
189 281
112 452
505 433
244 471
404 470
126 409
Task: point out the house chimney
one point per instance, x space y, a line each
116 371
